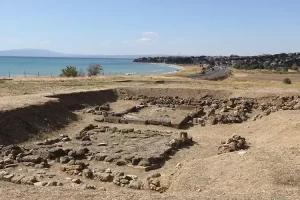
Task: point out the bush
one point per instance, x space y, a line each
69 71
287 81
95 69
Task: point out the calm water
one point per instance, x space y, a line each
47 66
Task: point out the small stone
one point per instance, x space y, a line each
136 185
100 156
242 152
3 173
40 184
10 166
88 187
59 184
155 182
119 174
7 177
87 173
52 183
102 144
124 181
131 177
105 177
154 175
121 162
99 118
32 158
17 179
89 158
77 181
90 111
64 159
30 180
144 162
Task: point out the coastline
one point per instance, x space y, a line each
179 68
44 67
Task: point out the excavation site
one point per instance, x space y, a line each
153 143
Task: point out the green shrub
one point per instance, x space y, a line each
94 69
287 81
69 71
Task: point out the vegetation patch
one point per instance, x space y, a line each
287 81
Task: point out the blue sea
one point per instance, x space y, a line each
34 66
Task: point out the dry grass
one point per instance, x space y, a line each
57 85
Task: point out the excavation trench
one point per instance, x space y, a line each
116 135
20 124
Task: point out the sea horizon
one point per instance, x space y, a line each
16 66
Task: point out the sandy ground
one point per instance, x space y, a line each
269 169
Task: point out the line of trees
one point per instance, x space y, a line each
94 69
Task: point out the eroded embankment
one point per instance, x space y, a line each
20 124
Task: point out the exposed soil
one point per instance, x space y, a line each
146 161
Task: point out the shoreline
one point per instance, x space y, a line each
179 68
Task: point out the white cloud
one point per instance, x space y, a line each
125 42
150 34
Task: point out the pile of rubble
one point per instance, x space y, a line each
12 155
151 182
226 111
235 143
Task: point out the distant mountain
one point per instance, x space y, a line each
48 53
31 53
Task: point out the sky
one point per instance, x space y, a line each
141 27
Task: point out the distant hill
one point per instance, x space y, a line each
48 53
31 53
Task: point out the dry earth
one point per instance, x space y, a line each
268 169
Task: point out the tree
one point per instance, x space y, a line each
95 69
294 66
69 71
